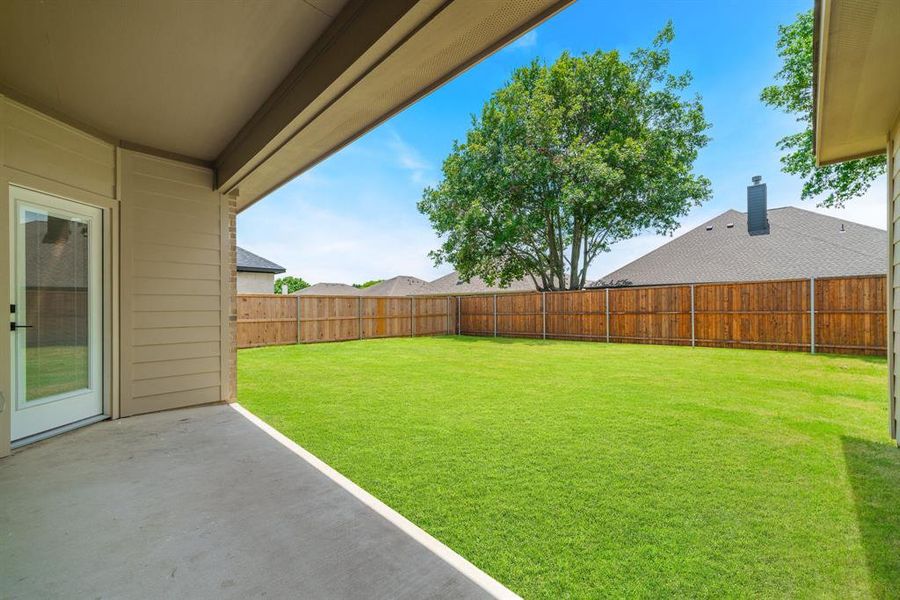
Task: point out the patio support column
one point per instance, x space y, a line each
812 315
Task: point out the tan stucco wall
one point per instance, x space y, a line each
169 254
255 283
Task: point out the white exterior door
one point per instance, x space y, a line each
56 321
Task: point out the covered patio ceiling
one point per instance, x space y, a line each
260 91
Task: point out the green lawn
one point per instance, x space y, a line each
569 469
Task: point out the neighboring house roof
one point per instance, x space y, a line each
402 285
800 244
329 289
253 263
451 284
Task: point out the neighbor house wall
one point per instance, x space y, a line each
893 282
255 283
169 261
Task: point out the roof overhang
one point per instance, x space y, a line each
259 91
856 87
241 269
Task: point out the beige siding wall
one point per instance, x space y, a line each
893 179
173 302
255 283
44 154
170 261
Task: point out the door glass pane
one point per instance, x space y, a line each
55 255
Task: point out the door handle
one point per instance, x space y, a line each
14 326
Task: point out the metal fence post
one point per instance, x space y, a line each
495 315
412 316
812 315
359 317
693 336
298 319
544 314
606 303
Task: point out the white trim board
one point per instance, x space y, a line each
476 575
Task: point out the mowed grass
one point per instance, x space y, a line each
583 470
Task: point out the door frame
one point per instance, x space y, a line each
109 208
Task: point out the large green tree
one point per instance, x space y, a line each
832 184
294 284
564 161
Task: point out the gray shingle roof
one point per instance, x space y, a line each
800 244
451 284
329 289
402 285
247 261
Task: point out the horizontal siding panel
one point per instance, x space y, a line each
37 144
175 302
143 354
173 368
176 383
175 335
163 234
172 400
197 179
175 225
177 254
170 196
172 270
157 319
165 286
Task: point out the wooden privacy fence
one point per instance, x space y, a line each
833 315
271 319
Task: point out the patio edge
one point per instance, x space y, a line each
470 571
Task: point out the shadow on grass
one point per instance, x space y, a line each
874 473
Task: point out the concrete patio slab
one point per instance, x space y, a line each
199 503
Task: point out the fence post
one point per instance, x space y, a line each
412 316
448 316
458 322
359 316
298 318
812 315
693 336
606 303
495 315
544 314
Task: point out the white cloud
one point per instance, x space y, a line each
319 244
529 40
409 159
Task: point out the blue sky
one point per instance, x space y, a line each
353 217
